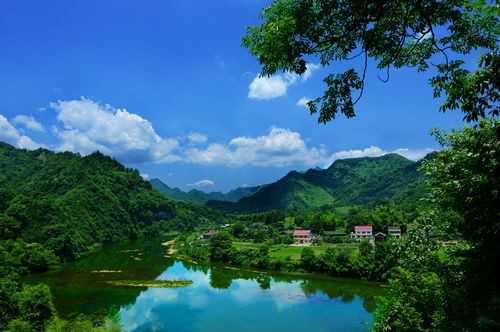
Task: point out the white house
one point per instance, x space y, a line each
395 231
361 232
302 237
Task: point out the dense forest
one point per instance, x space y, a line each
371 180
69 203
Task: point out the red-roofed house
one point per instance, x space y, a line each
302 237
361 232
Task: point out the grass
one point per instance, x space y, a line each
283 250
151 283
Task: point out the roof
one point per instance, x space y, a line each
363 228
302 232
211 233
395 228
380 234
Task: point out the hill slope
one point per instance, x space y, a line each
69 203
199 197
345 182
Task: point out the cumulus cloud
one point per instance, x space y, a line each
145 176
197 138
9 134
264 88
302 102
202 184
280 147
90 126
28 122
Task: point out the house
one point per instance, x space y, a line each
380 236
302 237
361 232
206 237
395 231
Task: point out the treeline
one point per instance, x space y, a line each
270 226
29 308
372 262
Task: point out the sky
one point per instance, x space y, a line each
167 88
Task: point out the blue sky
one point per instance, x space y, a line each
165 87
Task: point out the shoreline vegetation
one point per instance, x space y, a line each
151 283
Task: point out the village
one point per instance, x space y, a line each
306 237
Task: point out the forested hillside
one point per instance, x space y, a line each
69 203
199 197
387 179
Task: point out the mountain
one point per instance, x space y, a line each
199 197
346 182
70 203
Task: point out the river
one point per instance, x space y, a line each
221 299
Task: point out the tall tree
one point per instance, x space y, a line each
394 34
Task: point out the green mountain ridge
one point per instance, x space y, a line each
199 197
70 203
355 181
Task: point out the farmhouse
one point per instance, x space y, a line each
206 237
395 231
302 237
361 232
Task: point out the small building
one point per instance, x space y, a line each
206 237
380 236
395 231
302 237
362 232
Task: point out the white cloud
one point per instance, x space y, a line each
11 135
375 151
90 126
197 138
145 176
29 122
264 88
413 154
279 147
302 102
311 68
202 184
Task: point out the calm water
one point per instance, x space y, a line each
220 299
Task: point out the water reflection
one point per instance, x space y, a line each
220 298
223 299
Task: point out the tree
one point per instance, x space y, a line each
464 178
394 34
384 217
453 288
221 248
308 260
35 305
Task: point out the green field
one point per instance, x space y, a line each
283 250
